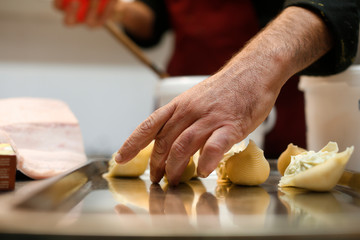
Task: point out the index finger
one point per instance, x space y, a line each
144 134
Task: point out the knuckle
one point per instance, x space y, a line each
178 150
180 147
182 112
146 126
188 136
237 130
160 146
213 148
240 130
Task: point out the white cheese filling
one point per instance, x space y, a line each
306 160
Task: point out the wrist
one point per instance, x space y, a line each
290 43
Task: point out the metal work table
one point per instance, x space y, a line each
84 205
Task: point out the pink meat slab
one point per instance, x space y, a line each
46 135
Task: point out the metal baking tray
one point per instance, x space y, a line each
201 208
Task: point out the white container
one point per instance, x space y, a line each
171 87
332 110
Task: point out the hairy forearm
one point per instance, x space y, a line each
290 43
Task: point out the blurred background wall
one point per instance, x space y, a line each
106 87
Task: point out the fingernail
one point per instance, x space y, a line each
118 158
202 174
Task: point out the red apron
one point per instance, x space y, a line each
208 33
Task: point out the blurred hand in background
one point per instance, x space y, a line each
135 16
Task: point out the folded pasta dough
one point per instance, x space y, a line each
316 171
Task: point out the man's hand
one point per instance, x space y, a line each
94 13
135 16
223 109
212 116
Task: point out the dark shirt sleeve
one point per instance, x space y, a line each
267 10
342 18
161 24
